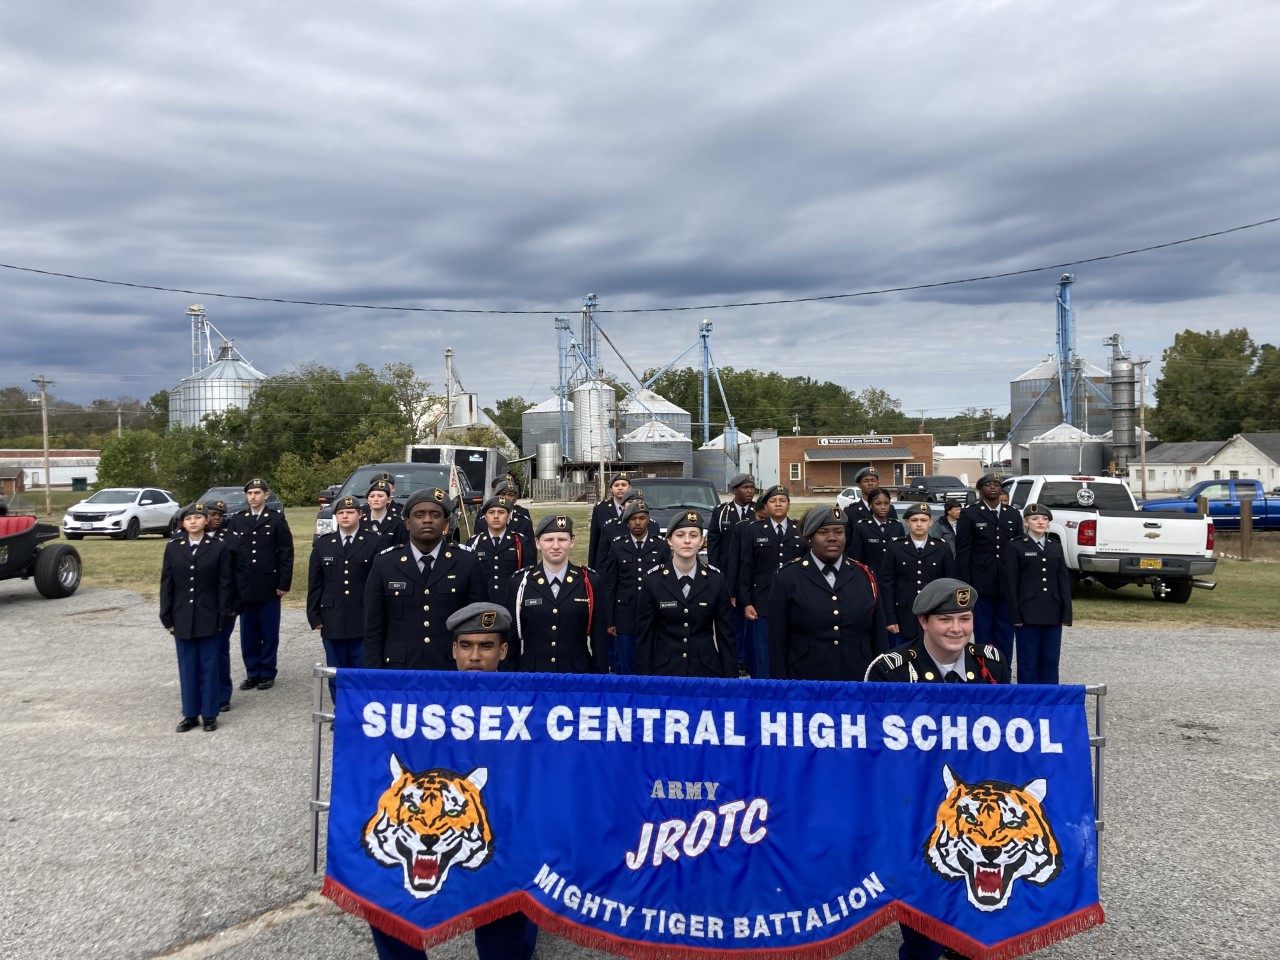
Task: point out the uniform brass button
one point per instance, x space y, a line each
553 626
684 655
836 627
426 623
553 659
834 597
347 582
346 593
553 643
835 613
835 643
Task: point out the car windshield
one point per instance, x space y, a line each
674 495
113 496
1076 495
408 477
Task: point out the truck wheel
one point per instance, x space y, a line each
1179 591
57 571
133 529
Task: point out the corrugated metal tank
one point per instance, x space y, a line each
548 462
1064 449
1124 409
227 382
712 464
645 405
655 442
541 424
1037 391
595 410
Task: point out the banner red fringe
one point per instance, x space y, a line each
553 922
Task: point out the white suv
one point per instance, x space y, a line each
122 513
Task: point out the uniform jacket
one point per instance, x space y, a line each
405 614
229 542
513 552
910 663
681 636
761 553
565 634
390 530
336 579
195 587
622 572
721 545
601 513
521 521
1037 584
980 540
394 509
820 632
906 570
860 510
263 554
867 541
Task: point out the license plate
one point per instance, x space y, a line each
1150 564
85 523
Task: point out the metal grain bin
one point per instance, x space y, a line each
655 442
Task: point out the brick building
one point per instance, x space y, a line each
813 466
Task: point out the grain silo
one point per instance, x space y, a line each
655 442
541 424
645 405
227 382
1066 450
595 411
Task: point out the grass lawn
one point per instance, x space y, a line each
1245 596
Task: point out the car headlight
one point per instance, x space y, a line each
324 526
116 513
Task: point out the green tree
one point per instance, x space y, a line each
129 461
1203 391
508 414
1264 392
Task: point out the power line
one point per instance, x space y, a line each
672 309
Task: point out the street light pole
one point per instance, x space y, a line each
44 384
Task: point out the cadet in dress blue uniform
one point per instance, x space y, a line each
825 617
521 521
217 528
195 597
982 532
608 509
764 547
868 538
557 611
684 623
615 528
413 589
944 652
722 549
381 514
479 633
910 564
622 570
336 575
1038 588
867 479
264 573
500 549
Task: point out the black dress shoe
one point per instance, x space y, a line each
188 723
249 683
210 726
266 684
224 708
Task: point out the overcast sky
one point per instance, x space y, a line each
516 156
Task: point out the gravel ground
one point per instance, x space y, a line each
123 839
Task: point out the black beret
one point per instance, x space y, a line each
216 506
777 490
945 596
379 485
481 617
554 523
634 506
193 509
738 479
434 495
614 478
819 517
988 478
917 510
689 518
1038 510
499 501
256 484
346 503
866 472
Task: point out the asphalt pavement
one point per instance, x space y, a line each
123 839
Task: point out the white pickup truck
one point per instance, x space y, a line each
1107 540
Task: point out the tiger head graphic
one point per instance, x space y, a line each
990 834
428 822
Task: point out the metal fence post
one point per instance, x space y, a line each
1098 741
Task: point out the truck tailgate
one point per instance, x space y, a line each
1168 534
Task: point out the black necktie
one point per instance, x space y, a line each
495 543
346 544
426 564
829 571
555 588
686 584
951 676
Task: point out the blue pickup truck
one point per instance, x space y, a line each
1224 503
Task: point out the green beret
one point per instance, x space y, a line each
346 503
689 518
634 506
988 478
554 523
500 501
918 510
382 485
1037 510
738 479
866 472
255 484
819 517
216 506
193 509
434 495
482 617
777 490
945 596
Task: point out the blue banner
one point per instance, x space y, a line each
667 817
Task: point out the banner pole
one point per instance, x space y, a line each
319 674
1099 742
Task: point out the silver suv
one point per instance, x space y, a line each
122 513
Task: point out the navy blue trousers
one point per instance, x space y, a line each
513 937
342 653
260 638
740 634
991 624
916 946
622 654
758 648
1039 648
224 663
198 676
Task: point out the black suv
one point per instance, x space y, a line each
667 496
936 489
408 478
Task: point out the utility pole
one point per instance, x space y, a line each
119 423
44 384
1142 420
